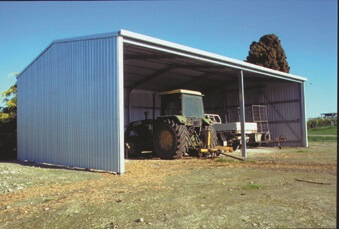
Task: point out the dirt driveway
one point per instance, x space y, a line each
291 187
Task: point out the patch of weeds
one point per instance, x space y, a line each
254 186
225 160
110 226
45 200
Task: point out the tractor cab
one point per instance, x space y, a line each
186 105
182 102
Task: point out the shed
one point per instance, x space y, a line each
76 98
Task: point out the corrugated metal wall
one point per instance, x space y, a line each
68 106
283 106
282 99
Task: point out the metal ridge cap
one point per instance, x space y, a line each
242 64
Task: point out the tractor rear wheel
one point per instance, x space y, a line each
171 139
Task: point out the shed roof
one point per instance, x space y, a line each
174 48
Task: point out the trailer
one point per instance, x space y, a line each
229 134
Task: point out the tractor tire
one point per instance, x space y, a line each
171 139
133 149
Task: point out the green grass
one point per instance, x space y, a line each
329 132
326 130
322 138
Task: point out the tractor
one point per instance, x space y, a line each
181 129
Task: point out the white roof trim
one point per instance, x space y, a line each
240 64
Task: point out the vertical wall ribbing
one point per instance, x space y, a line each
68 106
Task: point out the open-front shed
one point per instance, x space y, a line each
77 97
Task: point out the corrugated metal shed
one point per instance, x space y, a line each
76 97
69 108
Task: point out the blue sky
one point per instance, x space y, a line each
307 29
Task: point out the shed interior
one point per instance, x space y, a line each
147 71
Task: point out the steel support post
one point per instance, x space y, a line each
129 106
119 73
303 120
242 113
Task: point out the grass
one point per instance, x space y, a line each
326 130
323 134
322 138
225 160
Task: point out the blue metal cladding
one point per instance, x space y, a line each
70 102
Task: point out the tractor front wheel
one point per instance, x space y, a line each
171 139
133 147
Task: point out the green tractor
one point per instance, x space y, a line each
180 129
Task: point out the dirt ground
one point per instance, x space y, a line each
272 188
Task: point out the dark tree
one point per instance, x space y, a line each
268 53
8 124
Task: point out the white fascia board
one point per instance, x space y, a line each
240 64
79 38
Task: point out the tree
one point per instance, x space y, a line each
269 53
8 113
8 124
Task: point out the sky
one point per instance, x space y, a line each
308 31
